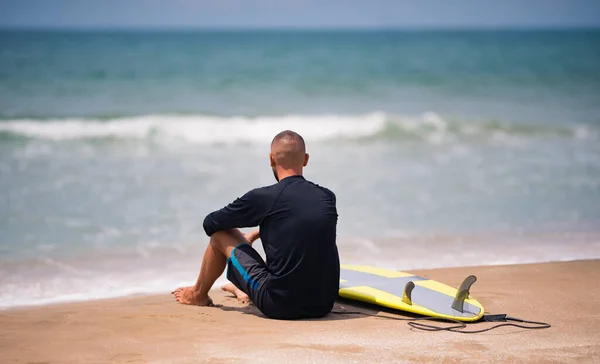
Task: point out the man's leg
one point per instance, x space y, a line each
213 264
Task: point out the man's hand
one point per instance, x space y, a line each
253 236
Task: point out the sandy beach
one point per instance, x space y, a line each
155 329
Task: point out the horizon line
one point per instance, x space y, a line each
298 28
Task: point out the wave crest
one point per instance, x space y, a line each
203 129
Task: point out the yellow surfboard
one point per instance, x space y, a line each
408 292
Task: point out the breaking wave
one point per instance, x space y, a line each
205 129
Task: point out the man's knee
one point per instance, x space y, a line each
225 241
217 238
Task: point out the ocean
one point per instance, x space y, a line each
444 148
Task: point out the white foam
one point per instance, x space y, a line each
202 129
208 130
465 253
65 282
582 132
62 288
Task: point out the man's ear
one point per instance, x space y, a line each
272 160
306 156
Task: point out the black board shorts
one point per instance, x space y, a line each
248 271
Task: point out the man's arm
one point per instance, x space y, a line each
246 211
252 236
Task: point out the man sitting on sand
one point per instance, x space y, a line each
297 221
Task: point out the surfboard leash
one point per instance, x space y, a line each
505 319
459 326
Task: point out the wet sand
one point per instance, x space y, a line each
156 329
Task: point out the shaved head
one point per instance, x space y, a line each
288 149
288 152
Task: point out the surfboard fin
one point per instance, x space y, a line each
463 293
406 296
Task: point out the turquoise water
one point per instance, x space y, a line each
483 147
257 73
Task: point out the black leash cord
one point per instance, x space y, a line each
458 325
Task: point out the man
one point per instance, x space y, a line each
297 222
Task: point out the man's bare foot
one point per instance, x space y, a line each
187 296
241 296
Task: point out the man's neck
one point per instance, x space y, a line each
288 173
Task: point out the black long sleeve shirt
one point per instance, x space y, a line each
298 221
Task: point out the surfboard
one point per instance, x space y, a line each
408 292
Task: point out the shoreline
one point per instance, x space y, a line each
223 280
155 328
52 280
